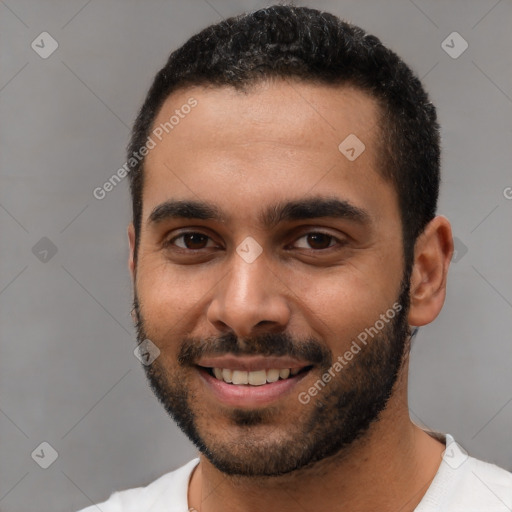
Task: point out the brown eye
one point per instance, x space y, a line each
192 241
315 241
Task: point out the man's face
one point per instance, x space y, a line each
263 248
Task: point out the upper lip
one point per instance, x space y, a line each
251 363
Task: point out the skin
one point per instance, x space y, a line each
244 152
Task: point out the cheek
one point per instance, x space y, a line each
342 305
170 301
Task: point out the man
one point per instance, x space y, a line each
285 175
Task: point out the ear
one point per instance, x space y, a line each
432 255
131 260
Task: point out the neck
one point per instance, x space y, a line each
388 469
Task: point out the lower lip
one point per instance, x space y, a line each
247 395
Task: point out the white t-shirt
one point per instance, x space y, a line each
461 484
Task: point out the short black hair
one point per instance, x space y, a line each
290 42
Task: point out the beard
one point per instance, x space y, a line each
263 442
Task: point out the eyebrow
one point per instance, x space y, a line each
302 209
184 210
313 208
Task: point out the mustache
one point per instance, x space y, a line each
269 344
192 349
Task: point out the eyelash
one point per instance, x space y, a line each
337 241
171 241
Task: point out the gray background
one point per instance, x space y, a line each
68 375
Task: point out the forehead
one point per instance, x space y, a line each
280 111
278 139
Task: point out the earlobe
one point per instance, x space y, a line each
432 255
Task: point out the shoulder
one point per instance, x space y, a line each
168 492
485 487
466 484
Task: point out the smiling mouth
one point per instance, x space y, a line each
254 378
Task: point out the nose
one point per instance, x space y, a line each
249 299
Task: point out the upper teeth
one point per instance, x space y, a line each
256 378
